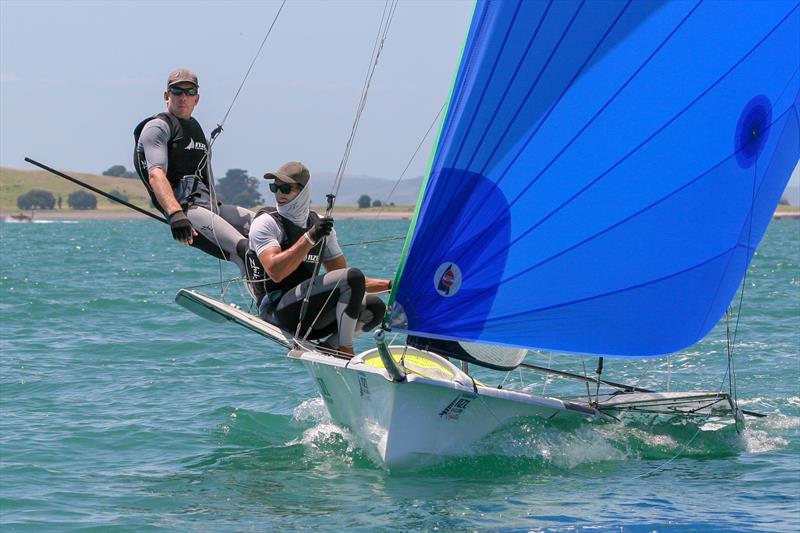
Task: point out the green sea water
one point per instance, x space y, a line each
121 411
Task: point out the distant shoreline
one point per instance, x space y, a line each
347 213
107 214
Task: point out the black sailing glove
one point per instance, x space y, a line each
322 228
181 227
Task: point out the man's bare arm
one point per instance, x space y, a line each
372 284
163 191
337 263
280 264
378 285
182 229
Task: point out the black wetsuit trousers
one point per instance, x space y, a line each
338 305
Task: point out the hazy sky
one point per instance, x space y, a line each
76 77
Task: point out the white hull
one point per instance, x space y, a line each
433 409
421 419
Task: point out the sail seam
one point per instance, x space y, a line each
586 126
617 291
490 77
528 95
637 213
524 101
468 65
629 154
425 184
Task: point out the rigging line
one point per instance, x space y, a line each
688 443
732 343
253 62
218 129
386 239
321 309
206 159
380 39
378 47
413 156
729 347
747 269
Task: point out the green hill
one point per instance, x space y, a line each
14 182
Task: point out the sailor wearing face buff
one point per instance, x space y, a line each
287 243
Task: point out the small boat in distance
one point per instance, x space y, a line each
21 217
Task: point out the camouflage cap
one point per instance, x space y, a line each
182 75
292 172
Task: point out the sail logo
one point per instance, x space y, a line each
447 279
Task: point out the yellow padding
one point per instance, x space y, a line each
417 364
414 363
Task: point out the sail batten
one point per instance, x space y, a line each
596 172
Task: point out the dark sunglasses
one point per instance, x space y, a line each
285 188
188 91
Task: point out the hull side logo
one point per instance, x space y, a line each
457 406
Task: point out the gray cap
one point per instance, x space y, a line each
182 75
292 172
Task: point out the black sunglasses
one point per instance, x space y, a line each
285 188
188 91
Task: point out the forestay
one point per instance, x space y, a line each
603 175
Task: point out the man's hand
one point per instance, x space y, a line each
322 228
182 229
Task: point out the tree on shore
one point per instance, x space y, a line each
82 200
36 199
119 171
364 201
377 203
121 196
238 188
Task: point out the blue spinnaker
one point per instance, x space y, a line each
604 173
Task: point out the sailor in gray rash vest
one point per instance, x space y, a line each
287 243
172 158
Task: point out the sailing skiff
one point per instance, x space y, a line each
602 178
